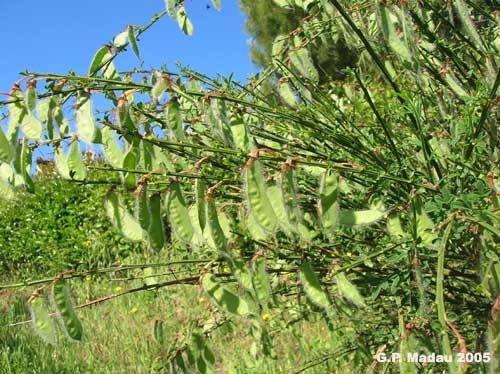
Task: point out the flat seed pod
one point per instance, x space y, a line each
312 286
184 23
156 231
158 88
287 94
25 163
241 273
174 119
16 113
289 191
84 118
393 38
424 226
218 119
256 231
142 208
200 189
275 195
31 127
360 217
260 280
97 60
40 318
215 232
75 164
468 23
30 97
67 316
112 151
130 163
133 41
178 214
301 60
349 290
216 4
120 217
240 134
328 200
170 8
394 227
224 298
256 197
121 39
6 150
61 163
197 240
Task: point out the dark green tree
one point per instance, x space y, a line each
266 21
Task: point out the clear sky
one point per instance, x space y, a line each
57 35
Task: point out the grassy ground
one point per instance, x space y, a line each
119 338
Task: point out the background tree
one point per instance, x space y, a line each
266 20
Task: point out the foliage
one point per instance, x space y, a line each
62 226
266 20
376 200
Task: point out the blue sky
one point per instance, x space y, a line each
57 35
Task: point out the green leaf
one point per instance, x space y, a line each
224 298
67 317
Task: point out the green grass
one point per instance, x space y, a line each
118 335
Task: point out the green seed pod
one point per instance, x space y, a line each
67 317
170 8
360 217
130 163
184 23
75 164
328 200
224 298
260 280
256 197
142 207
178 214
275 195
289 191
6 149
424 225
349 290
120 217
287 94
40 318
197 240
200 188
301 60
31 127
112 151
97 60
61 163
30 98
84 118
25 163
174 119
215 232
156 231
133 41
312 286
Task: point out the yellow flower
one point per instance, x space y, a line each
201 300
225 269
87 243
88 278
134 310
266 317
118 289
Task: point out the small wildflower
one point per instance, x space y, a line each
225 269
88 278
349 254
266 317
134 310
201 300
118 289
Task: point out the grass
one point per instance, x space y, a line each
118 335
